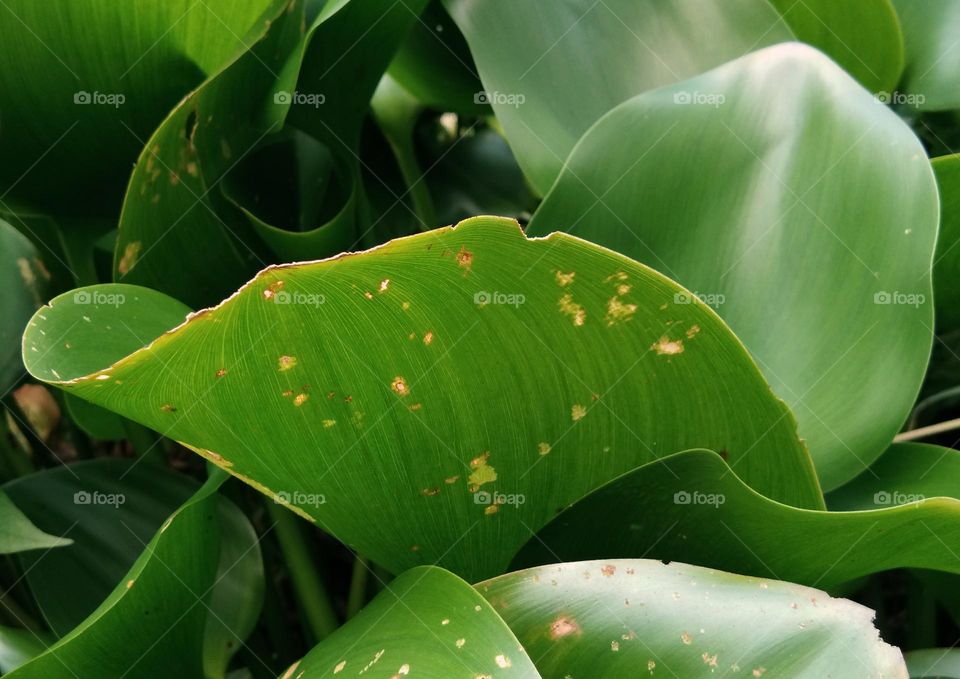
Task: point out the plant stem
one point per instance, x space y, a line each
312 596
924 432
358 586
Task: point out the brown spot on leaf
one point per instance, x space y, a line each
129 258
399 386
465 260
564 626
285 363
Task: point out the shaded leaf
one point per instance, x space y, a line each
314 374
932 70
946 263
532 58
692 507
863 36
934 663
800 207
19 534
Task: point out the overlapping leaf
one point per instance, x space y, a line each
366 382
781 192
932 52
692 507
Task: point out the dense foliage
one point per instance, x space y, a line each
283 397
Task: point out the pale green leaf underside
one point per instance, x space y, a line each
19 534
802 208
378 391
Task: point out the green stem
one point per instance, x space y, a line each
312 596
358 586
406 156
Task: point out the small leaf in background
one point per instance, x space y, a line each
19 534
427 622
932 72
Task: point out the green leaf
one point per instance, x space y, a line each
95 421
434 64
932 73
77 103
111 509
427 622
152 624
863 36
692 507
24 282
532 58
637 618
19 534
946 264
934 663
733 183
366 381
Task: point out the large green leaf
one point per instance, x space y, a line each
863 36
637 618
428 623
19 534
24 281
946 265
932 71
367 381
76 97
110 509
552 68
800 207
691 507
152 624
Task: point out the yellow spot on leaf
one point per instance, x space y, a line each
129 257
491 509
384 284
543 448
614 646
692 331
329 423
686 638
430 492
428 338
565 279
339 667
482 472
285 363
575 311
503 662
461 642
300 399
465 260
399 386
577 412
608 571
667 347
221 372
